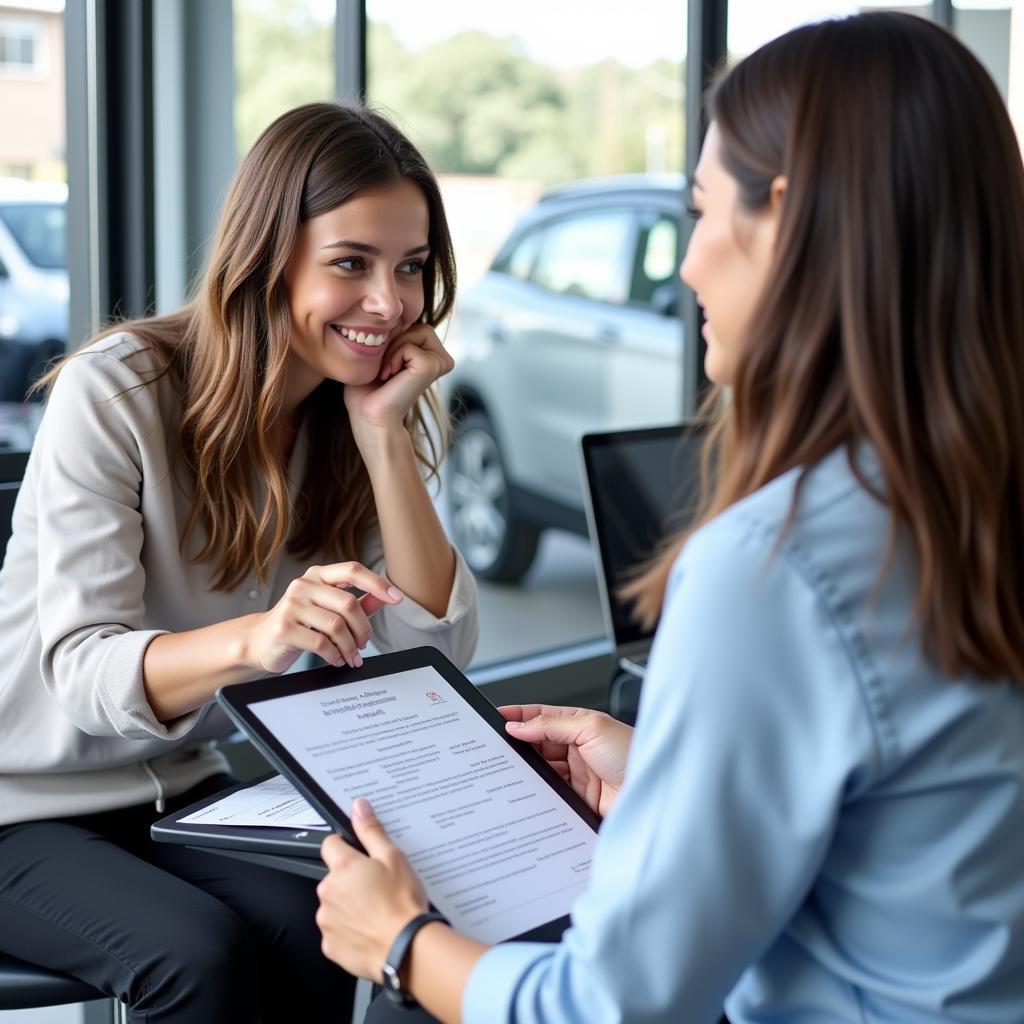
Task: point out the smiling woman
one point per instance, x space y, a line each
355 280
211 494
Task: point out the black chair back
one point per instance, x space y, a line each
12 471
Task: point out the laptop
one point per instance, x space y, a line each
640 486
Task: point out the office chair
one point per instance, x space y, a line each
25 986
12 470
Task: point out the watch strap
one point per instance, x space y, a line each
390 979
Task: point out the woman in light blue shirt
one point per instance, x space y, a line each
821 817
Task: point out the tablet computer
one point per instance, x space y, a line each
200 825
502 843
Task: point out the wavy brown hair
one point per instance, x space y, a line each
894 311
227 348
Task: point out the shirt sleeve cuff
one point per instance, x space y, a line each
490 991
122 692
461 602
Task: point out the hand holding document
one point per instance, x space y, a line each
275 802
498 850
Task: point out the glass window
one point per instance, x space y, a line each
33 199
509 102
586 256
752 22
985 26
519 262
284 56
655 273
40 230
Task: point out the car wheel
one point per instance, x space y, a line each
497 543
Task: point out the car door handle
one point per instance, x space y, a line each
608 334
497 333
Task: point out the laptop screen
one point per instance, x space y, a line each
642 485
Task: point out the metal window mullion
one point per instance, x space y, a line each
110 162
350 50
942 12
85 98
706 51
130 168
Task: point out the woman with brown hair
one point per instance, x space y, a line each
188 472
821 816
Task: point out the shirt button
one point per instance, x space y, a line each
253 594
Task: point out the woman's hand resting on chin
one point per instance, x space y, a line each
412 362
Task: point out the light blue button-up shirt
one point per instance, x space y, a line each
816 826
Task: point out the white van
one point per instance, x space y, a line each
33 281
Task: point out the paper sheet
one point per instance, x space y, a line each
274 802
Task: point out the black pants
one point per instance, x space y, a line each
180 936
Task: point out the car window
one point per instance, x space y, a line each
40 229
587 255
655 282
520 260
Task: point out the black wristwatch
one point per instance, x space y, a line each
390 980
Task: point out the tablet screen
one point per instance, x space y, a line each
499 851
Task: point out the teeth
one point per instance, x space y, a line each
361 338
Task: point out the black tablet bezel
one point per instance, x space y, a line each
238 698
265 839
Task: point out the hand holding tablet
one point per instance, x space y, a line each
502 844
588 749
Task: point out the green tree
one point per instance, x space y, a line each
283 57
472 100
476 104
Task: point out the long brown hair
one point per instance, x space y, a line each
894 311
227 348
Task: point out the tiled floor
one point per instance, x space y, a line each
555 605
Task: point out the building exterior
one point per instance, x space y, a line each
32 89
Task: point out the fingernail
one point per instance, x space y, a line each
361 807
357 661
513 725
395 594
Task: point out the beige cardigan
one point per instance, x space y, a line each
93 572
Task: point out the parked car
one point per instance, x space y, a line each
33 281
574 328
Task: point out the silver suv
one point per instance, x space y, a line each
575 328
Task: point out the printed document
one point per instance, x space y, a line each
499 852
274 802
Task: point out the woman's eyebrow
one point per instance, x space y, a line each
371 250
695 184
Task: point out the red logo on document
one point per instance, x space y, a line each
435 698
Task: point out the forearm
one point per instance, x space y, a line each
437 970
182 671
417 553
